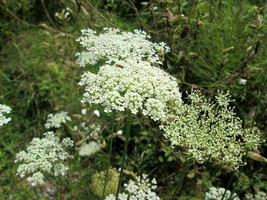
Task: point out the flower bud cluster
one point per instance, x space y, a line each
141 189
210 129
98 182
55 120
131 85
3 119
43 156
114 45
217 193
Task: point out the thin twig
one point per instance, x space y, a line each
138 16
48 16
236 73
20 20
99 13
37 26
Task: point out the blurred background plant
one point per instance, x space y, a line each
219 44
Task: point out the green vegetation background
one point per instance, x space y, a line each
214 44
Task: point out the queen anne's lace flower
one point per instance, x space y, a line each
43 156
55 120
141 189
3 119
210 129
131 85
217 193
88 149
115 45
259 196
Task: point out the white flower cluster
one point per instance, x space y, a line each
43 155
114 45
217 193
88 149
92 130
260 196
131 85
141 189
242 81
210 130
55 121
3 119
97 113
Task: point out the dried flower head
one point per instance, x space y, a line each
114 45
55 120
134 86
4 119
43 156
210 129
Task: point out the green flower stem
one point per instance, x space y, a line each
125 150
179 185
228 185
109 157
232 196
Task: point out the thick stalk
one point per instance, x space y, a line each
125 150
179 185
109 157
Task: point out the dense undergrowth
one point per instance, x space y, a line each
215 45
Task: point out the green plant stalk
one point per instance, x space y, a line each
109 157
125 149
228 185
179 185
258 103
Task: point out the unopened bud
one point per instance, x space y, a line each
256 156
170 15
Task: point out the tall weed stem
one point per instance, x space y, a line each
109 157
258 104
179 185
129 116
